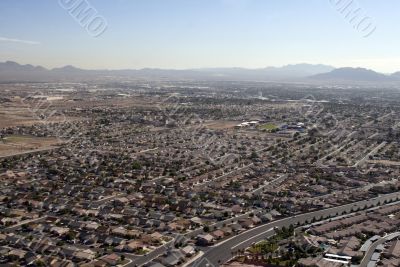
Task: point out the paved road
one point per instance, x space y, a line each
276 181
319 162
371 250
106 199
161 250
145 151
224 175
13 227
373 152
150 256
223 252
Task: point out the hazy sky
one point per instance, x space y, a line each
202 33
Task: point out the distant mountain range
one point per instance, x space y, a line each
11 71
354 74
13 66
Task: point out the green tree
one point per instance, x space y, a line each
136 165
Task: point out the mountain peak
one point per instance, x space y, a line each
67 68
300 69
351 74
13 63
14 66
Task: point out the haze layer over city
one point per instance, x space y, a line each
162 133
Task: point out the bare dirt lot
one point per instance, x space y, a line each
218 125
385 162
16 144
15 113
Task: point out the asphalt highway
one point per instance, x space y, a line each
371 250
223 252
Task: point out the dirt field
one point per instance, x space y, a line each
385 162
219 125
15 113
14 144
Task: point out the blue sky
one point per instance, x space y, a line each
201 33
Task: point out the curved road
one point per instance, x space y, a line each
223 252
371 250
